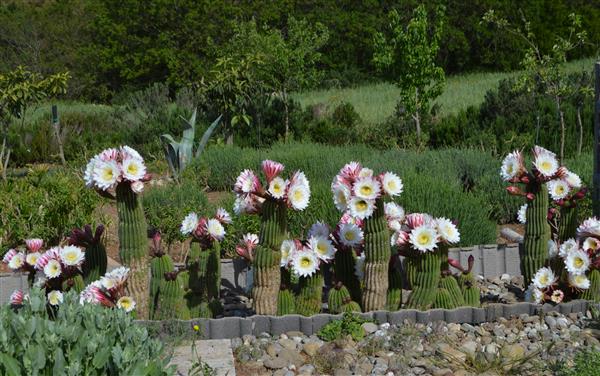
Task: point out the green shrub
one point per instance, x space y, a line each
587 363
45 205
166 206
349 325
75 340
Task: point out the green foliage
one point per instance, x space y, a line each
410 56
166 206
74 340
587 363
44 204
349 325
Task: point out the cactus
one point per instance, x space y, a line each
537 231
267 258
204 279
410 268
308 301
593 293
286 303
468 287
170 303
567 225
394 293
74 283
133 245
377 257
426 279
351 306
95 263
159 266
338 295
450 285
443 299
344 264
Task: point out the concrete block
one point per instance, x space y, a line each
512 261
459 315
423 317
547 307
478 315
262 324
510 310
565 308
494 311
437 314
225 328
320 321
306 325
380 316
245 326
366 315
283 324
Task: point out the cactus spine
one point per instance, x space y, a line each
593 293
286 302
426 279
377 257
308 301
170 303
338 295
159 266
267 258
394 293
133 245
204 279
537 232
344 266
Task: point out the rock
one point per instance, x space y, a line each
380 367
369 327
294 333
531 319
307 369
291 357
492 348
364 368
452 352
513 352
273 349
550 321
288 343
469 347
467 327
443 372
505 278
384 326
311 348
236 342
342 372
275 363
562 323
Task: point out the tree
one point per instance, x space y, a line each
546 70
409 57
19 90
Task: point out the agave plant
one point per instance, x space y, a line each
179 154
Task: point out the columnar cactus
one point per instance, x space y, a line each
568 222
450 285
593 292
160 265
537 231
377 255
351 306
338 296
310 293
124 171
133 244
394 293
267 259
95 263
272 202
467 283
286 302
344 270
426 280
443 299
170 303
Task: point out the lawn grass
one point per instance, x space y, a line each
375 102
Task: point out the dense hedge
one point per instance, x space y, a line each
111 46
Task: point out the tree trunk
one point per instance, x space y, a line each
561 117
580 123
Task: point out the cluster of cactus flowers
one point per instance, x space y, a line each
109 291
545 178
120 173
59 268
573 268
271 201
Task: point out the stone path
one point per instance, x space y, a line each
214 352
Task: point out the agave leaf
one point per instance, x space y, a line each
206 136
171 152
186 145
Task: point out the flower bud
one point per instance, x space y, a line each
530 196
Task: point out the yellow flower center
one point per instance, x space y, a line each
560 189
361 205
349 236
132 168
107 174
277 188
298 195
545 165
578 262
544 279
305 262
366 190
423 239
71 257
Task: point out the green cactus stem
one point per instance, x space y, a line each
394 293
377 256
443 299
337 297
74 283
593 293
451 287
344 270
170 303
203 265
410 268
267 275
426 279
351 306
468 286
567 225
537 232
286 302
95 263
308 301
159 266
133 245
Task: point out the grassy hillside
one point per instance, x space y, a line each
375 102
